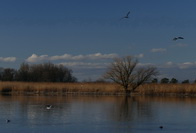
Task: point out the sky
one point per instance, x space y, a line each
86 35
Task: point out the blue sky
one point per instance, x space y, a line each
85 35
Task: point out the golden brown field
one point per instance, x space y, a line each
44 88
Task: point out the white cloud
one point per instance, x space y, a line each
61 57
84 65
168 64
155 50
81 57
139 56
184 65
145 64
8 59
101 56
180 45
35 58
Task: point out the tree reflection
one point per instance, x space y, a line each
132 108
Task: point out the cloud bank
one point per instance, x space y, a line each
183 65
139 56
35 58
155 50
85 65
7 59
180 45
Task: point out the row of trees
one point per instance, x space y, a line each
46 72
173 80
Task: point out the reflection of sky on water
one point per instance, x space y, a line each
97 114
176 112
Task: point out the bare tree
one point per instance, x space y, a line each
124 71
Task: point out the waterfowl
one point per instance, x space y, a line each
48 106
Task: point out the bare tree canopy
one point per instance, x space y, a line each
125 72
46 72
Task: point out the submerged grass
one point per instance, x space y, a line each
44 88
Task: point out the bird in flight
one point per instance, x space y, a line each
176 38
7 121
125 17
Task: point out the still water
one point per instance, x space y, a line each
103 114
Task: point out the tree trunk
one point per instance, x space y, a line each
127 92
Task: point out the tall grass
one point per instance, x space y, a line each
59 88
168 89
37 88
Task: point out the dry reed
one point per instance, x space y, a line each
45 88
168 89
59 88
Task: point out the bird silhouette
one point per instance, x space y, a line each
180 37
176 38
125 17
161 127
7 121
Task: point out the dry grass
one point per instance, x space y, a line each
59 88
93 89
168 89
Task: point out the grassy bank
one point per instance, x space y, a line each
17 88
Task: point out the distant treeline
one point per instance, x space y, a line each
173 81
46 72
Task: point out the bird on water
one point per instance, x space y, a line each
48 106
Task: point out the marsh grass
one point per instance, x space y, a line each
168 89
37 88
60 88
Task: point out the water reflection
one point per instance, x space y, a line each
96 114
131 108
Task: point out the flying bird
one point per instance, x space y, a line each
7 121
176 38
161 127
125 17
180 37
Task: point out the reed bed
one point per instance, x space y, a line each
44 88
168 89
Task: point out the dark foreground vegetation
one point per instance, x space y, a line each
46 72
